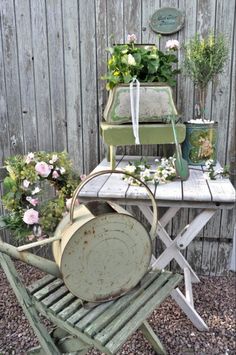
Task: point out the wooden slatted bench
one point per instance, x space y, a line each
105 326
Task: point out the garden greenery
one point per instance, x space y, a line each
204 60
144 62
29 214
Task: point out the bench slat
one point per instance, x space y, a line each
78 315
48 289
120 338
55 296
118 306
40 283
124 316
93 314
70 309
62 303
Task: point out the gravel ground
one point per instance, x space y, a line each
215 300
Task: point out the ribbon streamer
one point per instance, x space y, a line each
134 103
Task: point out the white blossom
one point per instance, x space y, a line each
131 60
172 44
131 38
130 169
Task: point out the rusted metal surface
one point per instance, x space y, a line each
102 257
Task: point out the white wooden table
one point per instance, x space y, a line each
196 192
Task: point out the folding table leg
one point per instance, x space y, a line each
165 258
189 310
172 252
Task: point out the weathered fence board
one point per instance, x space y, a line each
73 82
41 75
52 57
11 75
26 74
56 73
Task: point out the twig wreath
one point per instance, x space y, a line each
31 216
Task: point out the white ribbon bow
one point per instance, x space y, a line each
134 102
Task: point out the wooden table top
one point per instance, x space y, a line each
196 192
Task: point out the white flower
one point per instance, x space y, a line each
36 190
29 158
145 173
54 159
62 170
172 44
208 163
131 38
130 169
26 184
131 60
141 167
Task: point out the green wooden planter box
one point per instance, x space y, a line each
156 104
153 133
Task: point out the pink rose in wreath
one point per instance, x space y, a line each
43 169
31 216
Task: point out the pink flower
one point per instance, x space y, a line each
30 237
55 174
172 44
68 203
29 158
131 38
43 169
26 184
82 177
33 201
31 216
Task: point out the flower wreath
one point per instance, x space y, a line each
29 214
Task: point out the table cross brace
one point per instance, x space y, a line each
172 251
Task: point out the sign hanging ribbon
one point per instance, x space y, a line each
134 103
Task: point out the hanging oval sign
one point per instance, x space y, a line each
167 20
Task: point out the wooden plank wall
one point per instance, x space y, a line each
52 56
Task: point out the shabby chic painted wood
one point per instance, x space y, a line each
195 193
79 326
33 117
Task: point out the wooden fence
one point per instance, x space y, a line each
52 56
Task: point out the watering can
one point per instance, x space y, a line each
101 251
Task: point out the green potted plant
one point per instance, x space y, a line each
204 60
155 72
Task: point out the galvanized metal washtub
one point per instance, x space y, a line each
101 251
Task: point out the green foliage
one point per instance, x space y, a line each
24 187
205 58
144 62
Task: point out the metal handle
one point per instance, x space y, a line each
103 172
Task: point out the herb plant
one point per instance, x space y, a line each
204 60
